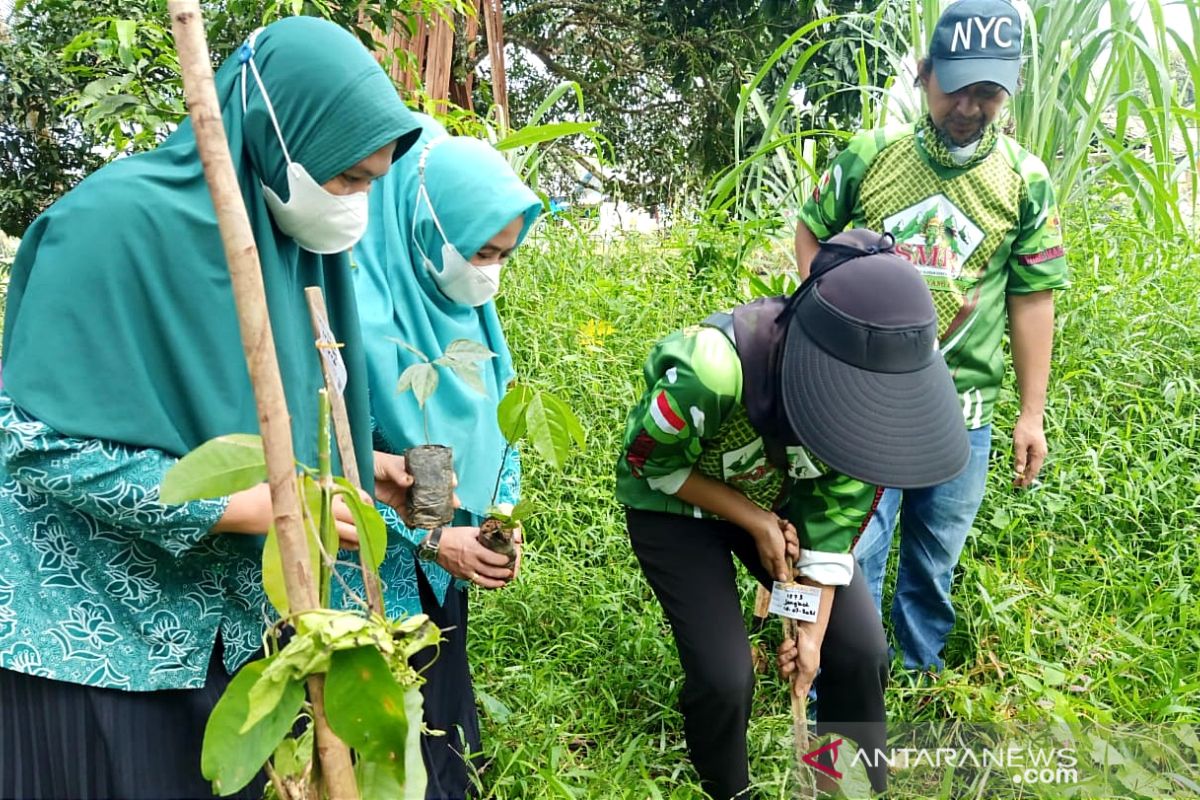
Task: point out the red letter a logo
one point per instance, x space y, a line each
832 749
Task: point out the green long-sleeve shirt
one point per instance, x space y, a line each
692 417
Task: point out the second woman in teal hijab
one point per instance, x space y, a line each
442 223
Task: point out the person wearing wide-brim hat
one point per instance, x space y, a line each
763 434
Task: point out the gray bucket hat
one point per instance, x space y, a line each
864 385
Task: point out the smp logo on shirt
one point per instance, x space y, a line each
935 235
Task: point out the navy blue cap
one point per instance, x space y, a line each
865 387
977 41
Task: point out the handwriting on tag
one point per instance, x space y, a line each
333 356
796 601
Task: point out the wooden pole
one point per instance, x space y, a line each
341 420
241 252
493 22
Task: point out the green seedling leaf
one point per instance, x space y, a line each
230 758
467 350
552 428
510 515
563 416
512 412
410 348
524 510
274 584
218 468
377 782
372 530
471 375
422 379
462 357
366 708
293 755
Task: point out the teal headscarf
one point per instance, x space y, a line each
475 194
121 322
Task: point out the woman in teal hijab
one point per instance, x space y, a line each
442 224
121 618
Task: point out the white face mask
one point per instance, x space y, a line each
461 281
320 221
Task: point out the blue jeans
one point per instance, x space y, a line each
934 524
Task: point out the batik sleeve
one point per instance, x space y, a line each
114 484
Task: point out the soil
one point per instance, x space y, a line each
431 496
495 537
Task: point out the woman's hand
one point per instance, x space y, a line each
461 554
392 481
249 511
799 660
777 543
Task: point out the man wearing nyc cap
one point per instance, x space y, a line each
760 435
975 214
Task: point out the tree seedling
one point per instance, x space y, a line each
553 432
431 497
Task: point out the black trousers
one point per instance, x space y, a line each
453 759
687 563
64 740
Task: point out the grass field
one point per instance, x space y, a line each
1077 602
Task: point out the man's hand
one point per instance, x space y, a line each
799 661
1029 449
464 557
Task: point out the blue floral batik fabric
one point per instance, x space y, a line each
100 582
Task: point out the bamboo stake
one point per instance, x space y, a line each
259 345
341 422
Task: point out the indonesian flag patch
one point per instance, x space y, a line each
665 416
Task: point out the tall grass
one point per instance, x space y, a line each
1098 104
1078 601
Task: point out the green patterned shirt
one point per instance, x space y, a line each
692 417
977 232
101 584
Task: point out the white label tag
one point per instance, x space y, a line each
796 601
333 356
